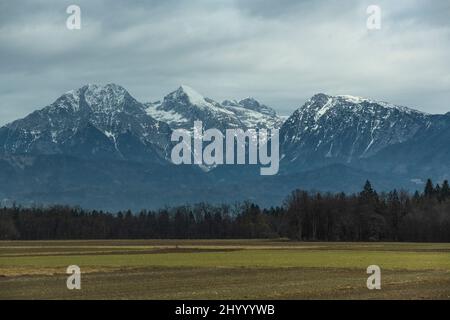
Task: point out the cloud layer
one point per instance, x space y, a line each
280 52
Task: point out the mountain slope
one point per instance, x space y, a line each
426 154
253 114
90 122
344 129
100 148
184 106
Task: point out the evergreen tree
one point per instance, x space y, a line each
437 191
394 211
429 189
445 190
304 216
368 193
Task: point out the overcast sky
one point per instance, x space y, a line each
280 52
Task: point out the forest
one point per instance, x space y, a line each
306 216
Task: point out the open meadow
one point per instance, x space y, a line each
222 269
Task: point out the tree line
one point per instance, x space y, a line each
307 216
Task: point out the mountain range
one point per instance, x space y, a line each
98 147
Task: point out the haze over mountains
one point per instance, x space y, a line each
98 147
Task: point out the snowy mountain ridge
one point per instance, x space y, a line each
185 105
97 146
346 128
92 121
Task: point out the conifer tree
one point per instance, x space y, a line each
445 190
429 189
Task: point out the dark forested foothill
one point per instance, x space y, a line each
366 216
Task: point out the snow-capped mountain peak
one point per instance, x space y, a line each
105 96
358 100
185 105
253 114
187 98
94 97
193 96
92 121
346 128
252 104
322 104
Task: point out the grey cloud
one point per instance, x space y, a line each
281 52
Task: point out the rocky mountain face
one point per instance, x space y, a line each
426 154
345 129
253 114
98 147
93 122
182 107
